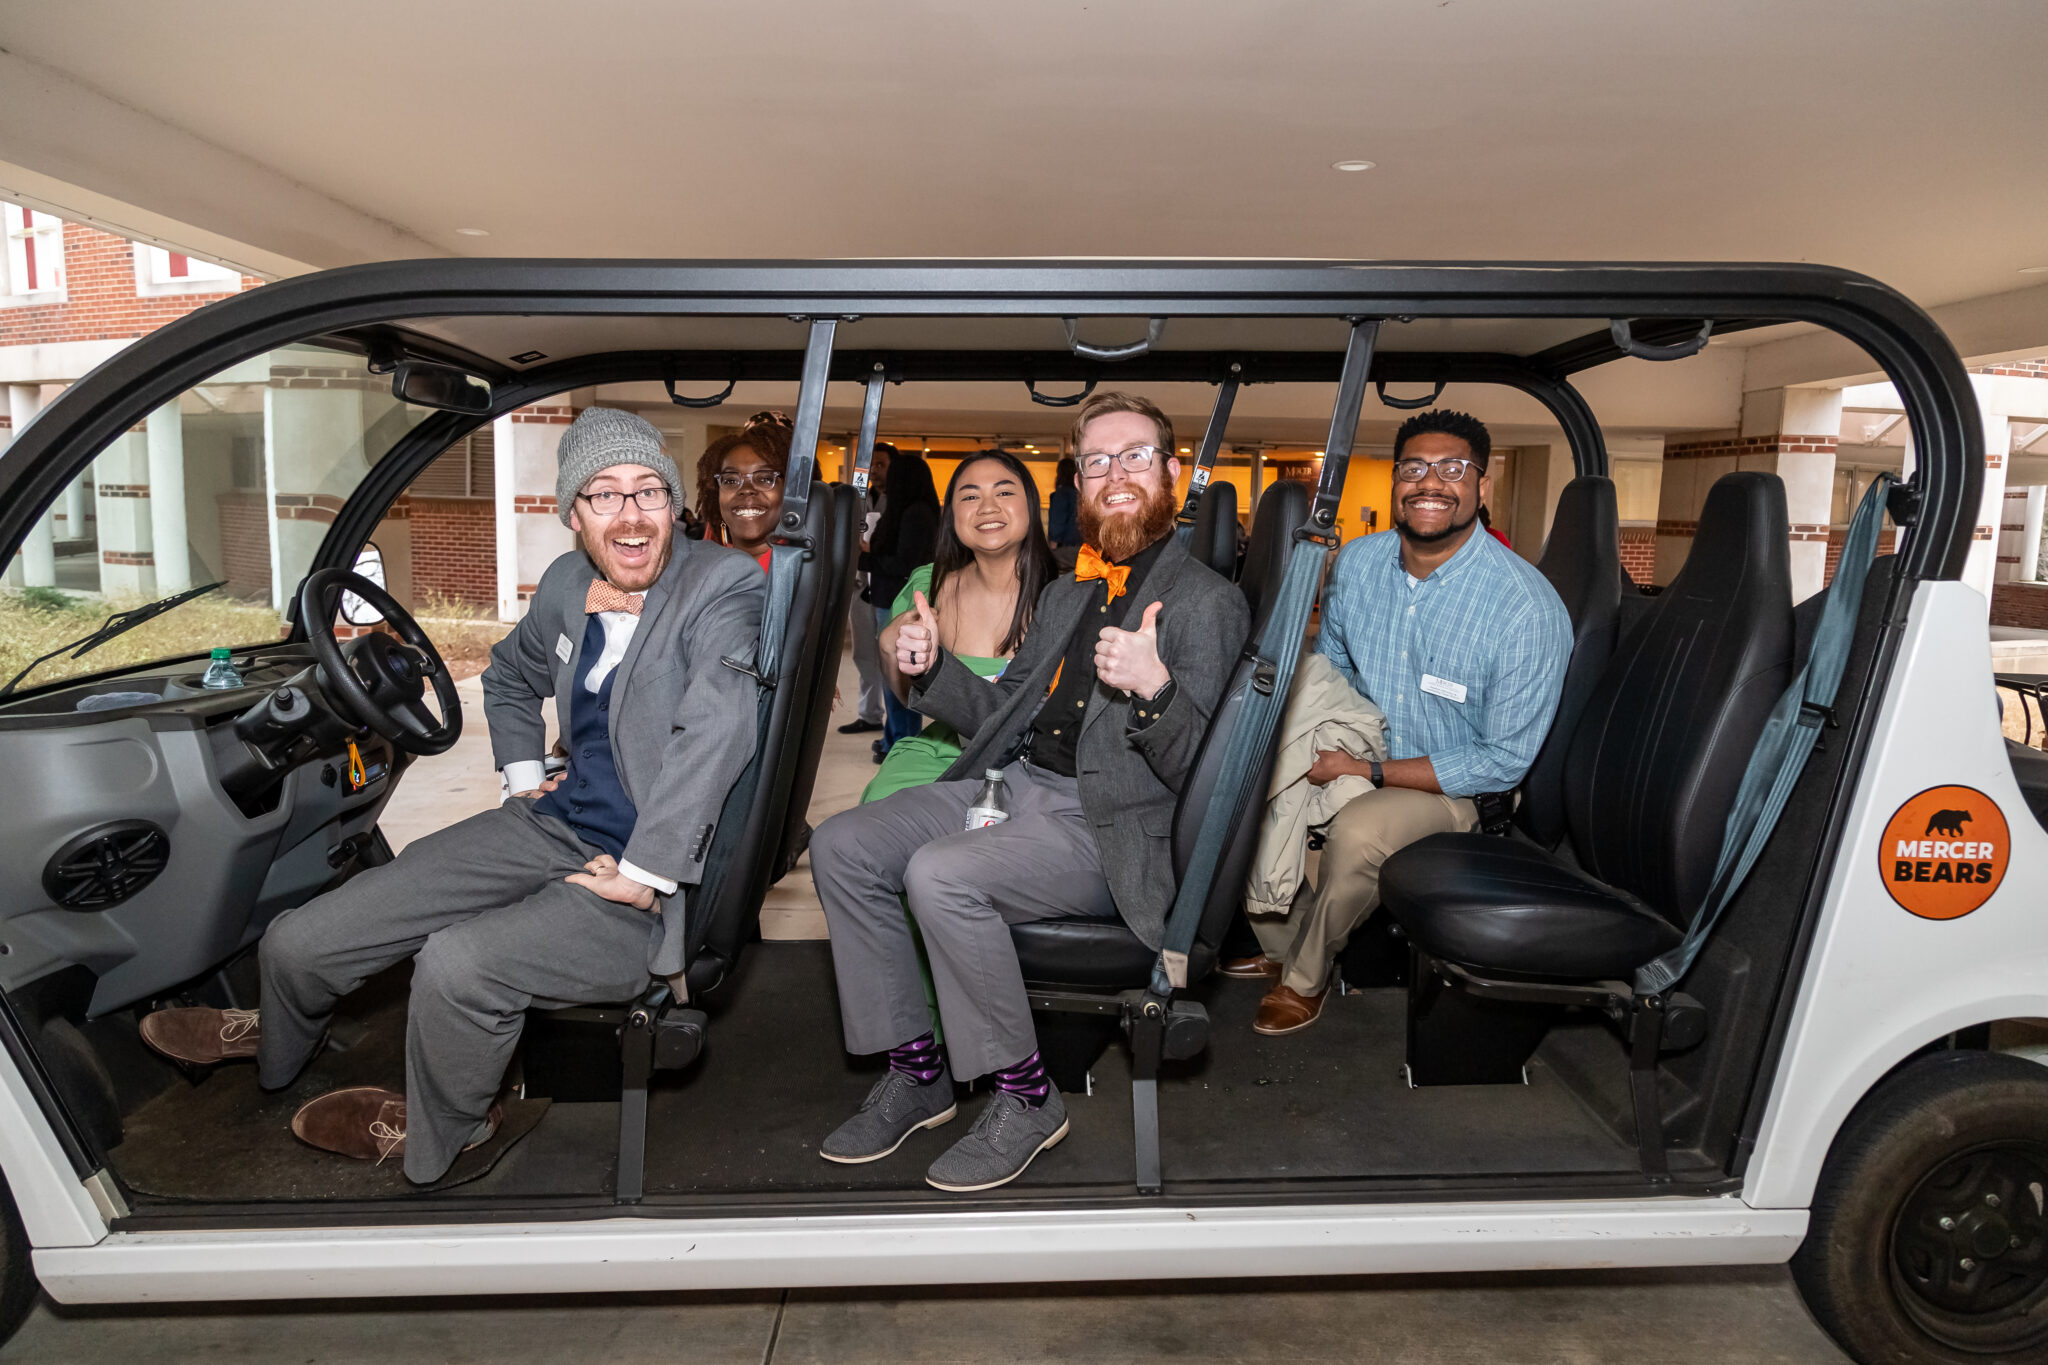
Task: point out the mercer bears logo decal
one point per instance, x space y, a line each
1944 852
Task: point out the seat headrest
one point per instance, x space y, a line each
1282 509
1213 540
1582 554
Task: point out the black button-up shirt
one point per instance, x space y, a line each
1057 727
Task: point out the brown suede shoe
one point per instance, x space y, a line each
202 1037
365 1122
1287 1011
1256 968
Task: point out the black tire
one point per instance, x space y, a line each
1942 1160
18 1288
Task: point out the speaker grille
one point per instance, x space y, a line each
105 866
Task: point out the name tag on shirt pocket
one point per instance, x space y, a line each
1443 687
563 649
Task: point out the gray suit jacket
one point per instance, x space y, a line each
1130 780
682 724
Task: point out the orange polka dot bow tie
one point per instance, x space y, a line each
604 597
1091 565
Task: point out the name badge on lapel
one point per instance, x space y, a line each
1443 687
563 649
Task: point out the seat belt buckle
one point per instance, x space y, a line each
1265 677
1813 714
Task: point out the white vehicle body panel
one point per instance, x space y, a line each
56 1208
614 1255
1880 981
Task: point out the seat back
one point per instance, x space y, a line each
748 846
1652 767
826 675
1213 540
1582 560
1282 510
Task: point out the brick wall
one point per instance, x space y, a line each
2035 368
2020 604
101 303
1886 536
1639 553
454 550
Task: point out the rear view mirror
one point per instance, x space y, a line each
428 385
370 564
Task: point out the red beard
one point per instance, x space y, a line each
1120 536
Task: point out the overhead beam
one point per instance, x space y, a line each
1991 326
106 162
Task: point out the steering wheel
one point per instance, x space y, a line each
380 681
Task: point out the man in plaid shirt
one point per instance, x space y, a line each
1462 645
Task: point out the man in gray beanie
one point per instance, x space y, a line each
571 891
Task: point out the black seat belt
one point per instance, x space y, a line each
1205 456
1788 738
1274 656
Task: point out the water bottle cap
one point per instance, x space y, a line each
992 774
222 652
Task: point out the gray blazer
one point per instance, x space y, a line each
1130 780
682 724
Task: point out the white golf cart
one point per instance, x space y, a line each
1738 981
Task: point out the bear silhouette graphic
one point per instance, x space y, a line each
1949 822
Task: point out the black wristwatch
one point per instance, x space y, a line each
1379 778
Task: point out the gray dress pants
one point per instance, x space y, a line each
964 890
492 928
867 660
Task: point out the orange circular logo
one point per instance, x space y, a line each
1945 852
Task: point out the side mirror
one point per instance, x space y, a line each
428 385
370 564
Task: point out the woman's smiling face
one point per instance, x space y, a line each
747 509
989 514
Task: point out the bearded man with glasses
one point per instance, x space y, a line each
1462 645
570 891
1094 726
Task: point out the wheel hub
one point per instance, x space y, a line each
1972 1239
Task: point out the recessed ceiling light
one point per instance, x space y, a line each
472 232
1351 165
2034 270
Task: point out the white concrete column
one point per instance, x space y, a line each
1808 424
504 492
313 428
39 551
1980 569
2029 569
529 459
121 494
169 538
73 506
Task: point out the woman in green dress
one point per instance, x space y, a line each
987 569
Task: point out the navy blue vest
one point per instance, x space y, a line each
591 799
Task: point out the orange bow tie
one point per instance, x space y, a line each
1091 565
604 597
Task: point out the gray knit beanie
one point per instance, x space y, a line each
602 437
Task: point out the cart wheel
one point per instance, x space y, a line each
1929 1236
18 1288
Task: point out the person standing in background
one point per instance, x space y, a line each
861 615
1062 514
903 539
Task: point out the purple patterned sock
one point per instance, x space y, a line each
920 1059
1026 1080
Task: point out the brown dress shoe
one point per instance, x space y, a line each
365 1122
1258 967
202 1037
1285 1010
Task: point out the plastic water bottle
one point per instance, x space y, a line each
221 672
990 807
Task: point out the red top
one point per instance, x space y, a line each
1499 537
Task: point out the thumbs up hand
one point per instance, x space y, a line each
917 639
1129 659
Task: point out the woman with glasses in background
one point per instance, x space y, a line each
739 483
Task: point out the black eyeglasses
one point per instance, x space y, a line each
607 502
1136 460
1450 471
763 479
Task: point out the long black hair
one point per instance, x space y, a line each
907 485
1035 565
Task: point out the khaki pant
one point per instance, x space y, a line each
1364 834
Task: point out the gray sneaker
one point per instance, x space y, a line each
1001 1144
897 1107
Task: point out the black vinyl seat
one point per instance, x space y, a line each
1649 774
1213 538
845 545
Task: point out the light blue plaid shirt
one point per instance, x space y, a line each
1486 626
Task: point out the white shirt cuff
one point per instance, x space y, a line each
665 885
524 775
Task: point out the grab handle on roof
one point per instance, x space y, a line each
1406 404
1618 328
1058 400
1130 352
708 401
